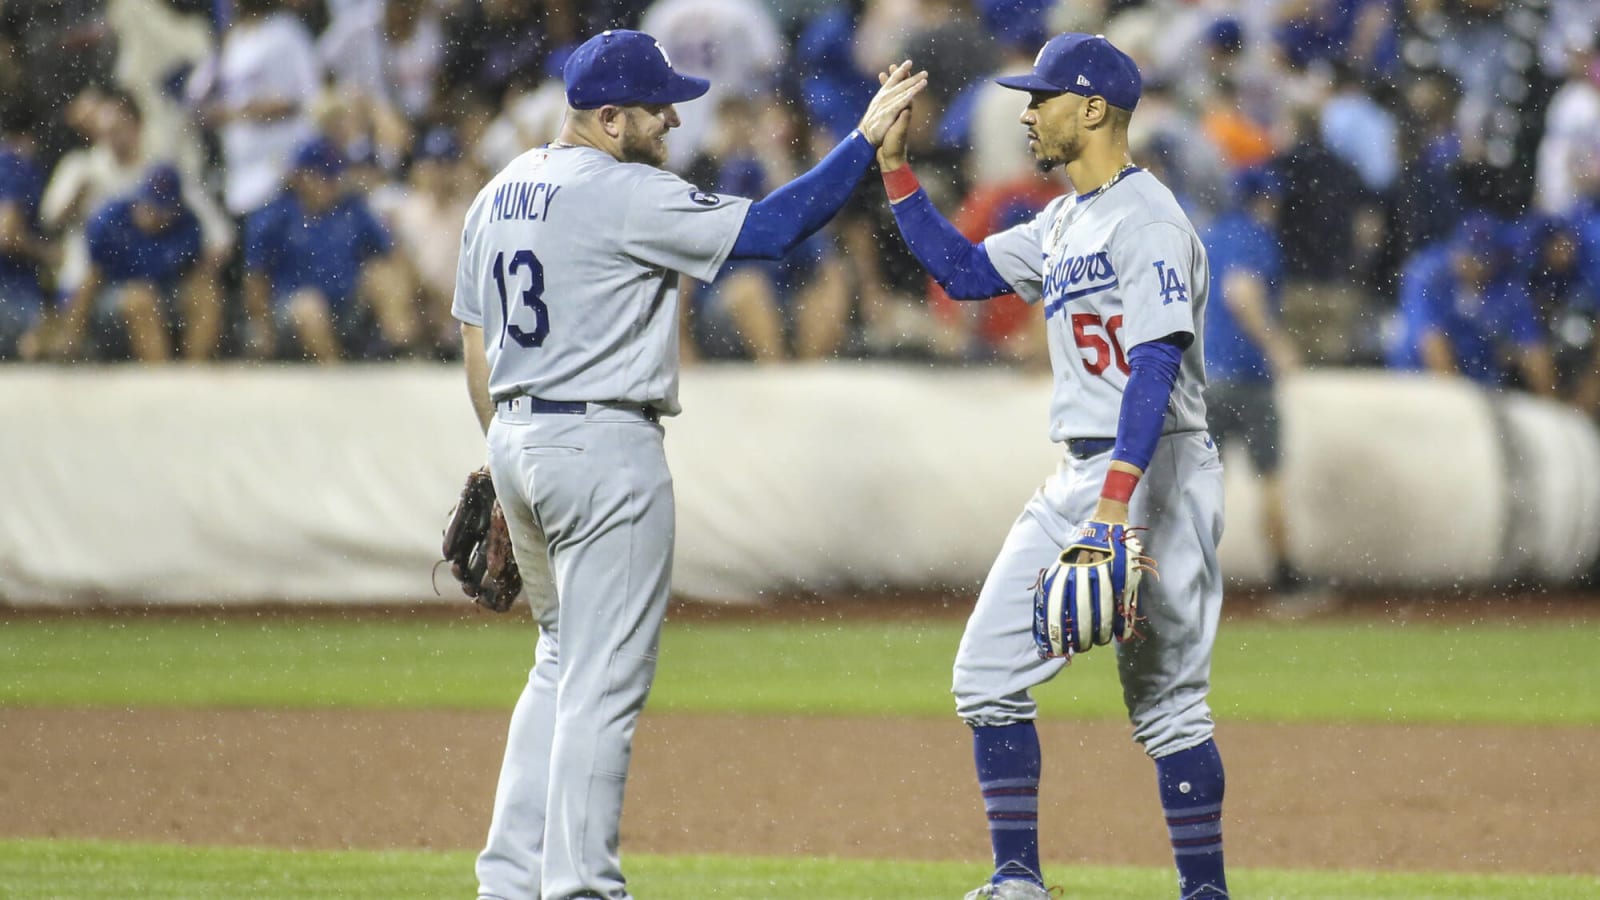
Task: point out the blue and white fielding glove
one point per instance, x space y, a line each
1090 595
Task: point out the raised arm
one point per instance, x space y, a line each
961 267
786 217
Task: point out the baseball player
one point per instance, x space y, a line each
567 291
1122 279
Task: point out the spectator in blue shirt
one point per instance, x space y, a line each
1246 346
319 271
1465 310
24 253
147 277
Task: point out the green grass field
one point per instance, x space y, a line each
33 870
1308 672
1351 671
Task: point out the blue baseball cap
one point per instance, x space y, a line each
625 68
161 188
1083 64
1226 34
319 155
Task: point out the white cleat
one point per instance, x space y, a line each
1010 890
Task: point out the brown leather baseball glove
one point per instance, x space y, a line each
477 545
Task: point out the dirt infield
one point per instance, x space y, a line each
1450 798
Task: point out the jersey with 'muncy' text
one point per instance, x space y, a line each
570 262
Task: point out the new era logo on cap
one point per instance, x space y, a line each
1083 64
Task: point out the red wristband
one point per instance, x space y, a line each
1119 485
900 183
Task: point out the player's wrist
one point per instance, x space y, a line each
1118 489
899 181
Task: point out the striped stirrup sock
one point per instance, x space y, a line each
1008 765
1192 785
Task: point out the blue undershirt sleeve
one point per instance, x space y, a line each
961 267
1153 368
783 219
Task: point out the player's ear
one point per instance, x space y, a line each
612 119
1094 111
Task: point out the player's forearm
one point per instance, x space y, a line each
1153 369
1121 478
778 223
961 267
477 366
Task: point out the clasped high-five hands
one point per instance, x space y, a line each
891 106
892 146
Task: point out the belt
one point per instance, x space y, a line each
1084 448
534 404
567 407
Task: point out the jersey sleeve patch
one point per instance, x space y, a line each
674 225
1160 273
1171 283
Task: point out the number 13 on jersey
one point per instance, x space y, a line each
531 298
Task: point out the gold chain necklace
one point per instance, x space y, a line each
1109 181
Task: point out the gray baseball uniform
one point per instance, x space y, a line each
1113 268
570 263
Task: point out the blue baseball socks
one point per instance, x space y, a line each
1191 797
1008 774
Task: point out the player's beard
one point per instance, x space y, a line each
1057 153
639 146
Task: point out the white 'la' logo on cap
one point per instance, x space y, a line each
664 55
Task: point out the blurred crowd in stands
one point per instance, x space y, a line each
1414 183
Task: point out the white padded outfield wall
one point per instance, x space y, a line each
244 484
